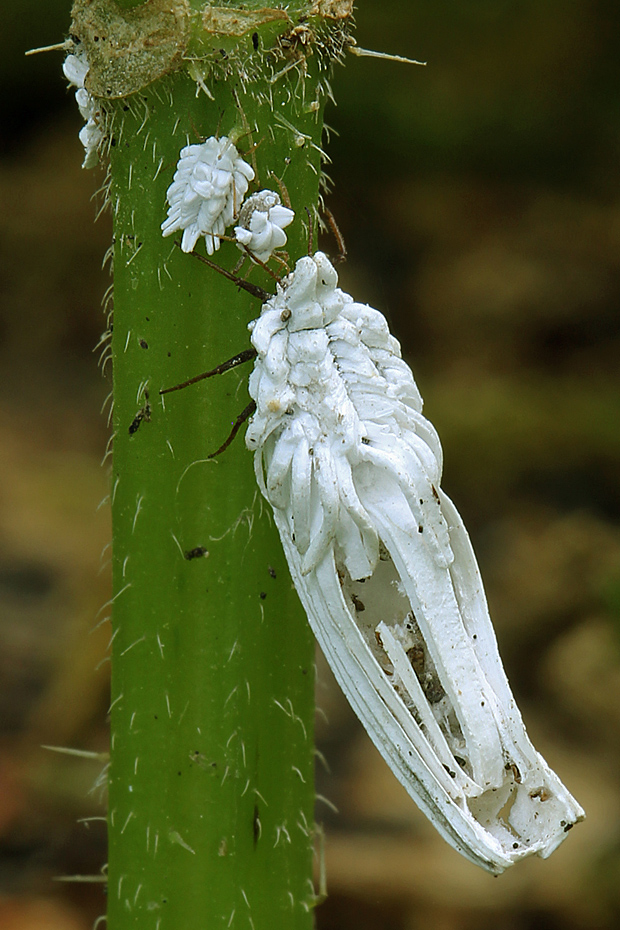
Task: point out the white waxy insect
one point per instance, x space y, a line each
386 572
75 68
262 220
206 193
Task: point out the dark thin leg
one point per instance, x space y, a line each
246 356
262 264
243 416
252 289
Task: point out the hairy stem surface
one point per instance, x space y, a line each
211 780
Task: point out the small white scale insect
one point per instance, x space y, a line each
385 570
75 69
209 184
262 220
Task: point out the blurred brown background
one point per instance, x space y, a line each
480 201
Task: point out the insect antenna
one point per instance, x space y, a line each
246 356
333 225
243 416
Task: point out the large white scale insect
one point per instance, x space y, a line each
378 553
386 572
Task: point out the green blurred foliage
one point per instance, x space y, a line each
512 89
31 89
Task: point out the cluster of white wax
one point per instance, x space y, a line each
386 572
206 197
75 68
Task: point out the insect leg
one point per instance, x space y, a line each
266 267
253 289
243 416
246 356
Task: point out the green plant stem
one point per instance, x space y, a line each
211 781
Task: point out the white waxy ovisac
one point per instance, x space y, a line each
261 224
385 570
209 184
